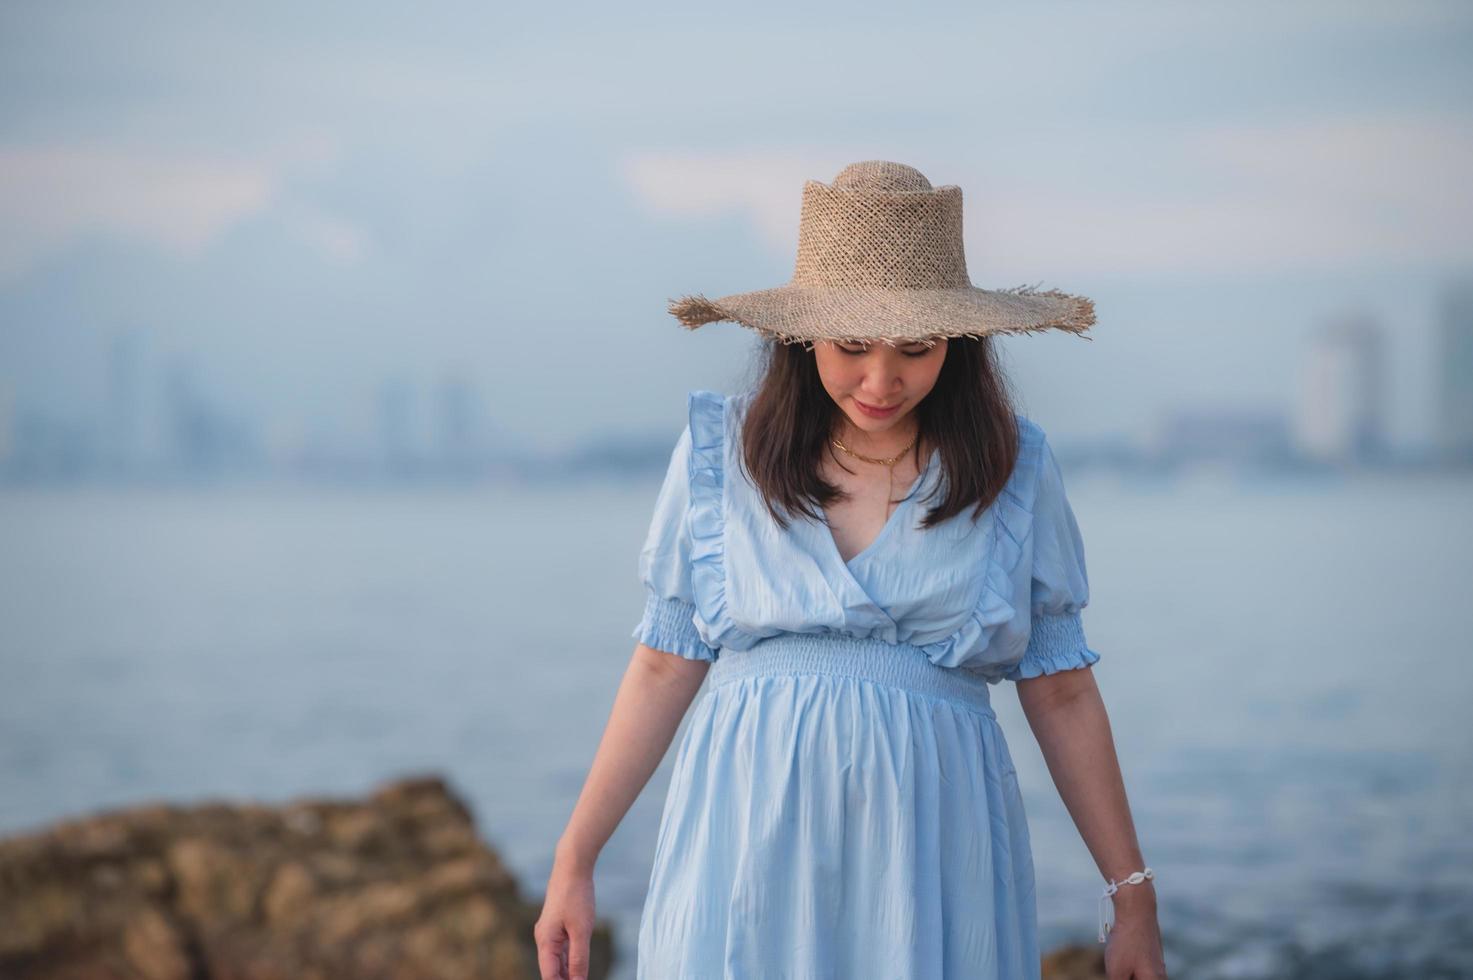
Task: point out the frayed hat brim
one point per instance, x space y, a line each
804 314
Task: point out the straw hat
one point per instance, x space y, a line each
880 259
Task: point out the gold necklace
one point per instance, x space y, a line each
880 460
886 461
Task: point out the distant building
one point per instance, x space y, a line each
397 443
460 421
1195 435
7 422
122 426
1343 393
1454 378
203 436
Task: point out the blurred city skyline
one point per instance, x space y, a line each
158 418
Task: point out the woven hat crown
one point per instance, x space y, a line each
881 175
881 224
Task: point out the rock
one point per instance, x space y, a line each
395 886
1075 962
154 946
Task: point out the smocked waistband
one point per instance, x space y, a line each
893 664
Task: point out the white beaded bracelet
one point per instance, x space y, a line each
1107 916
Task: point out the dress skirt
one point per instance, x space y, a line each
841 809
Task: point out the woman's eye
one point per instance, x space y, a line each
865 350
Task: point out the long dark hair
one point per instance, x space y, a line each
968 415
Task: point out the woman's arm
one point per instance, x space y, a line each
653 697
1068 718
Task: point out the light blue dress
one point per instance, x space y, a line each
843 803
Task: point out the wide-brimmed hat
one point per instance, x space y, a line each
880 258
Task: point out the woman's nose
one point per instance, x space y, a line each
882 378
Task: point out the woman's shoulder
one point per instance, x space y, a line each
1021 486
707 416
703 400
705 396
1032 446
1030 432
713 415
706 436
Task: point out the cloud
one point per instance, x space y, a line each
766 187
1390 187
52 195
335 239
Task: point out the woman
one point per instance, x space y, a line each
851 554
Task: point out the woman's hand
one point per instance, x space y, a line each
1133 946
563 930
1069 719
657 689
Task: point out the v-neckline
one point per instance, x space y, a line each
827 531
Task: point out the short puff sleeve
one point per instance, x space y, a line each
1060 581
668 622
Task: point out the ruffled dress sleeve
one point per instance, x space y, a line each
668 622
1060 582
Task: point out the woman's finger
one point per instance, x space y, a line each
578 940
550 958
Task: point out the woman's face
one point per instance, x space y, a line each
864 379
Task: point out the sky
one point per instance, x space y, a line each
304 201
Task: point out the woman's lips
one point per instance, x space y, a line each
878 413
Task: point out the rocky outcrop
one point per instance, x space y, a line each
1075 962
394 886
